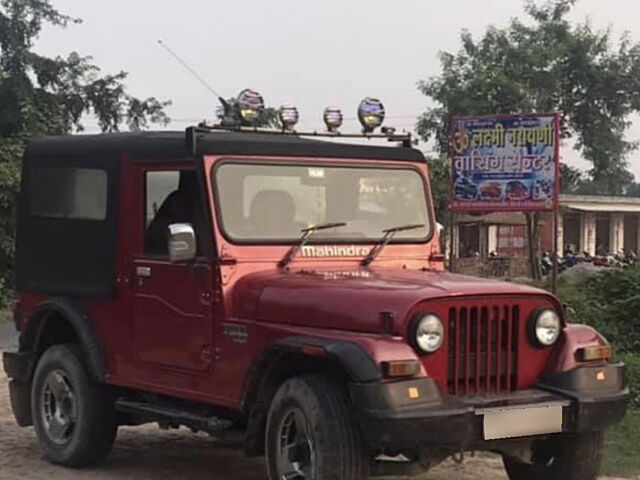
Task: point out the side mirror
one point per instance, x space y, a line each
182 242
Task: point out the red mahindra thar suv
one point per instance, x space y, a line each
293 291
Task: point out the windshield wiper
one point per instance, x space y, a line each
306 234
386 238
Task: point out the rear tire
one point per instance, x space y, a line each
74 419
568 456
311 433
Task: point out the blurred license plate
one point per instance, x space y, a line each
522 421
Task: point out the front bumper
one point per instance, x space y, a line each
413 414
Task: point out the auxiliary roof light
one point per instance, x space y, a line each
288 115
370 114
250 106
332 118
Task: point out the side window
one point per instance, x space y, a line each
158 186
70 193
171 196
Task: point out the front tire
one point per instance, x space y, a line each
74 418
311 434
565 457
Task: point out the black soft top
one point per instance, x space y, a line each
174 145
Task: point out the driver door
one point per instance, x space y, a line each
172 309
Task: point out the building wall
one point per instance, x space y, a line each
571 231
505 233
631 231
617 232
588 233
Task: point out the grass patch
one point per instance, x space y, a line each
621 447
5 316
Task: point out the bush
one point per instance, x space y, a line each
10 155
610 302
632 371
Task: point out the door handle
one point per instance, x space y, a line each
144 272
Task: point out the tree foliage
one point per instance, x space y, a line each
440 173
608 300
572 179
268 117
545 64
50 96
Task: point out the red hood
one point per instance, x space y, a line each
353 299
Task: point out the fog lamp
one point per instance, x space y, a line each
370 114
288 115
250 106
332 118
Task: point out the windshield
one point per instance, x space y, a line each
268 202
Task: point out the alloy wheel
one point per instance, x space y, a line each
295 451
58 407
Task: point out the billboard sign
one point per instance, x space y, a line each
504 163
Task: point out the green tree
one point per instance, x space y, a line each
440 173
572 180
634 190
50 96
268 118
547 64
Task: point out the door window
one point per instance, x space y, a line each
171 196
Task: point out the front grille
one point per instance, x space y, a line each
483 349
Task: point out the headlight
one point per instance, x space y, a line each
546 327
427 333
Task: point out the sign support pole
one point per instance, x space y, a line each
556 205
451 240
554 272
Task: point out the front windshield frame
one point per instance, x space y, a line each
315 162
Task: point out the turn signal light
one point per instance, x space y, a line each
402 368
590 354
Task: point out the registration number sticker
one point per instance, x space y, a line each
522 421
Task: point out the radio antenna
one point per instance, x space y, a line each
193 72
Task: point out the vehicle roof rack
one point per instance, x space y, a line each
389 133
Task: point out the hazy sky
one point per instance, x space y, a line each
311 53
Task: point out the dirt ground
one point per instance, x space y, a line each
148 453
